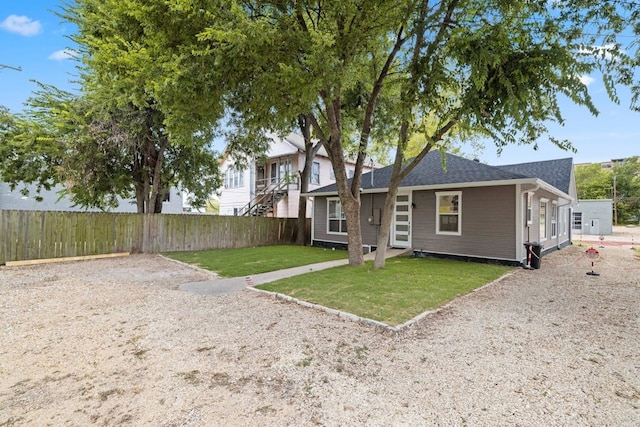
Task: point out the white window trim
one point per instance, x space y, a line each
339 233
563 218
546 216
554 219
234 178
528 209
459 213
575 214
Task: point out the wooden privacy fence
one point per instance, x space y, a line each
26 235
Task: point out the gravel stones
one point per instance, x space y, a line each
114 342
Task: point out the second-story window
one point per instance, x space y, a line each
314 178
233 178
280 170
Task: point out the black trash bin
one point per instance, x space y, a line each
534 254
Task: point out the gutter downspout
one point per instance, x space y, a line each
521 250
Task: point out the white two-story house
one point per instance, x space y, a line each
271 187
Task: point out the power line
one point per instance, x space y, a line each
2 66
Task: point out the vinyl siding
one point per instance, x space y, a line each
320 222
236 197
369 231
488 224
531 232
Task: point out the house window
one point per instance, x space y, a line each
562 223
448 212
529 209
314 178
543 220
167 196
336 219
554 219
332 174
280 170
350 173
233 178
576 221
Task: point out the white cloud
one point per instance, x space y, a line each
61 55
21 25
587 80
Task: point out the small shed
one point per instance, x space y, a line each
593 217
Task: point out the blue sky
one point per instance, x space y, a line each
36 40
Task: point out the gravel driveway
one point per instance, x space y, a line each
114 342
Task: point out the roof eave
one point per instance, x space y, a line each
533 181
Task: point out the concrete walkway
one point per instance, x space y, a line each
236 284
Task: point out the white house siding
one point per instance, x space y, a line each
233 198
288 207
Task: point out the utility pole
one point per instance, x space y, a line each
10 67
615 203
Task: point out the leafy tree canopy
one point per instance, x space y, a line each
627 190
593 182
379 71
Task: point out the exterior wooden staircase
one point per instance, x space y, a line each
265 200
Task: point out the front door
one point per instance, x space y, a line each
401 226
595 226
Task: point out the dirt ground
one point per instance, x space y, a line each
114 342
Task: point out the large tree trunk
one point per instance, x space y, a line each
157 189
350 201
138 177
385 228
351 209
349 192
390 199
302 238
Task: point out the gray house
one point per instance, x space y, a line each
469 210
593 217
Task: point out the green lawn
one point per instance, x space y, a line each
405 288
261 259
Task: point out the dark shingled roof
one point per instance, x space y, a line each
554 172
463 171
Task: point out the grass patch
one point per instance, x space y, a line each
261 259
406 287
